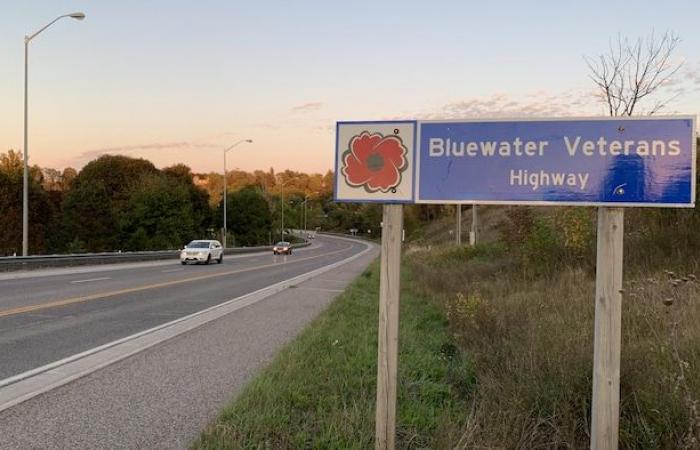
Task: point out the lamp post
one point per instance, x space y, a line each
249 141
282 185
282 191
302 210
25 178
306 199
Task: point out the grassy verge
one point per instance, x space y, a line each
530 339
320 390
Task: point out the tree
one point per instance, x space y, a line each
97 197
69 175
631 72
88 217
11 188
158 215
11 162
248 216
199 198
118 174
52 179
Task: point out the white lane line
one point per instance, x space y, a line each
319 289
172 270
91 279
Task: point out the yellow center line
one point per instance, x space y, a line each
101 295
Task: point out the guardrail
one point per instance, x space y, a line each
13 263
352 236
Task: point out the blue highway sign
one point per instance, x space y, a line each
641 162
621 161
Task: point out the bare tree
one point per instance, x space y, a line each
632 71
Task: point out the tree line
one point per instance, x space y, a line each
120 203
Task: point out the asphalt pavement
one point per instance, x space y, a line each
52 315
161 397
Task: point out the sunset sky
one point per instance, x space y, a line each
178 81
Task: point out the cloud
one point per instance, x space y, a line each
308 107
267 126
693 75
95 153
327 126
537 104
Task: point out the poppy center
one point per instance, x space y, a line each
375 162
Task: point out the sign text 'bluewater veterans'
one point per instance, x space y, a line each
598 161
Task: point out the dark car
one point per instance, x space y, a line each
282 247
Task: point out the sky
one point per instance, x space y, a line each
178 81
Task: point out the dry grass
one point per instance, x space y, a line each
441 231
531 342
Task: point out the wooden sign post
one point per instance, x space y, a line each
473 234
458 227
388 353
605 412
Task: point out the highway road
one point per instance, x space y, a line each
51 314
202 333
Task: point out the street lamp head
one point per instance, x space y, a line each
250 141
77 15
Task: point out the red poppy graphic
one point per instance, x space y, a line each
374 162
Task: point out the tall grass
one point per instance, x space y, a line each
530 337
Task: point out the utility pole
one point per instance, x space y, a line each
306 199
282 192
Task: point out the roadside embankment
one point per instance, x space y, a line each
530 337
496 346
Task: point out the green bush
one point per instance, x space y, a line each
542 250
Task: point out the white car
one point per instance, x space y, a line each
202 251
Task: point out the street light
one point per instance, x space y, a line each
302 213
249 141
306 199
282 185
25 179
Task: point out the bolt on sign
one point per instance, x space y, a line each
608 162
